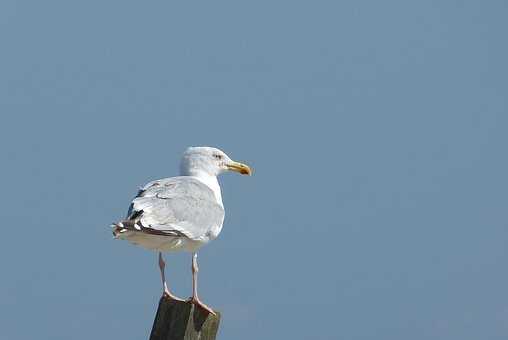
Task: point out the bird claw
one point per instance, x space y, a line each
166 294
197 302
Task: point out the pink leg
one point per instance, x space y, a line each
166 291
195 299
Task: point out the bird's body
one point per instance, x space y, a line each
174 214
180 213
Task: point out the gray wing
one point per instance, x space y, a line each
177 206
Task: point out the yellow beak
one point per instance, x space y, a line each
239 167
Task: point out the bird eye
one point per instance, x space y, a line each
217 156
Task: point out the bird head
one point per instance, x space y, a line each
212 161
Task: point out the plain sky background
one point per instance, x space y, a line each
377 130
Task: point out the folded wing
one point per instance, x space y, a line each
177 206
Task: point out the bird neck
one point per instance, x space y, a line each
210 181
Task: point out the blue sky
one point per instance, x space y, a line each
377 132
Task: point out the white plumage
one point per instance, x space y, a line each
172 214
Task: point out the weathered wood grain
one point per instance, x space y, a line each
178 320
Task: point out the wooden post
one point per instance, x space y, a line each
182 320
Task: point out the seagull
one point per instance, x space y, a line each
181 213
